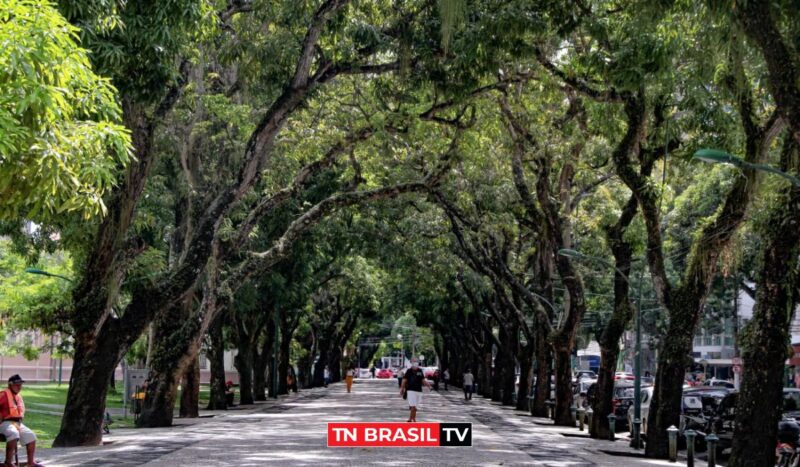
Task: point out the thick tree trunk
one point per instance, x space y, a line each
244 365
767 340
322 362
544 358
260 364
93 362
564 385
100 341
758 20
190 391
175 353
162 391
603 404
673 360
509 366
336 364
283 358
305 370
485 385
499 370
760 403
525 377
216 357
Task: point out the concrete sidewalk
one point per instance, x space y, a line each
292 431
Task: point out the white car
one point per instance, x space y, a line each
690 404
364 373
647 395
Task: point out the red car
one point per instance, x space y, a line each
384 373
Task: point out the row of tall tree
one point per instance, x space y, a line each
259 170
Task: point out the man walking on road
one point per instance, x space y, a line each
413 380
349 378
469 383
446 377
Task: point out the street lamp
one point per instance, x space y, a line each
715 156
45 273
636 442
402 351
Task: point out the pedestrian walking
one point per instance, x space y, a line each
372 371
327 375
351 373
411 388
400 374
469 383
446 378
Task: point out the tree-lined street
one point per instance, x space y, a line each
591 204
293 430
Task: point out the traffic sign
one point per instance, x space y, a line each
737 369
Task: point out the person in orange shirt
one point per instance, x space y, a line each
351 373
12 411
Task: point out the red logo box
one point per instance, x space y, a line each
394 434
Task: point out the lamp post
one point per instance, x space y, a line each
636 442
402 351
715 156
45 273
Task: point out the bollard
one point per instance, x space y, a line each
690 434
589 416
612 426
712 440
581 415
672 432
636 441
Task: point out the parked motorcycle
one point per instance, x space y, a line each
787 452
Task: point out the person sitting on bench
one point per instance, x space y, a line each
12 411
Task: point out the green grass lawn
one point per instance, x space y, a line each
46 426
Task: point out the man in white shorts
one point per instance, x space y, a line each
12 411
413 380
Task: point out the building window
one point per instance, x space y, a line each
203 361
716 339
707 339
729 340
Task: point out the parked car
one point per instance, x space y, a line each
624 376
709 409
647 396
585 374
621 400
429 371
718 383
384 373
364 373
